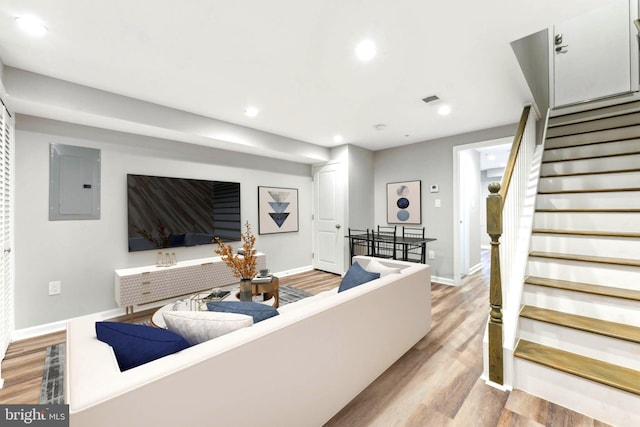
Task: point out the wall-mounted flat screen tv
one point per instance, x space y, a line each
170 212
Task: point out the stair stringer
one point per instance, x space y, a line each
512 287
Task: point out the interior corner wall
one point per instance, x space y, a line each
361 176
432 163
84 254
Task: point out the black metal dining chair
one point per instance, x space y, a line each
411 252
384 242
359 242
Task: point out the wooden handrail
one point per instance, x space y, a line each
513 155
495 206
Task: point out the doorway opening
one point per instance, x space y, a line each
475 166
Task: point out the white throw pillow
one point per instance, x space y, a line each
375 266
201 326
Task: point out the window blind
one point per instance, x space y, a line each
7 275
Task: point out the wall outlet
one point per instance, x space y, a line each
432 254
55 288
438 204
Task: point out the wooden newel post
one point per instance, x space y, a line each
494 230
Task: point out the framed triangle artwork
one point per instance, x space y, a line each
277 210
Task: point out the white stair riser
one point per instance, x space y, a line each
595 346
591 221
612 247
592 165
595 125
617 310
590 182
594 137
619 276
613 200
596 150
604 403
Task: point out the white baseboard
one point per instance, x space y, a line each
294 271
475 268
443 281
61 325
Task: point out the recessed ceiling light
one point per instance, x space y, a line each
444 110
380 126
338 139
31 25
251 111
365 50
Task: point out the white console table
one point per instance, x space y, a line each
143 285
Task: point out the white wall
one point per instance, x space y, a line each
361 178
431 162
470 206
83 254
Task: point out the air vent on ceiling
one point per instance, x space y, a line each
431 98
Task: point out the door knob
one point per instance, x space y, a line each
338 226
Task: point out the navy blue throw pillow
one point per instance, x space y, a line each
135 345
256 310
356 276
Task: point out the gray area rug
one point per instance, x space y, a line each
289 294
52 389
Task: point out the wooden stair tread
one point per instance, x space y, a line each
587 233
588 324
592 369
589 190
620 120
586 157
587 288
586 258
595 113
623 133
560 175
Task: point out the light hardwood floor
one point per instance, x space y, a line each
436 383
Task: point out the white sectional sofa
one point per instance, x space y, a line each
296 369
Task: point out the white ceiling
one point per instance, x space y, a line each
294 60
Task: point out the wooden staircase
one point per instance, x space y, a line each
579 327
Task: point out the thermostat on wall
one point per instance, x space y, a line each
435 188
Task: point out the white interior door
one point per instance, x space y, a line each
592 55
328 241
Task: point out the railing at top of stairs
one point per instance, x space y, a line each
503 212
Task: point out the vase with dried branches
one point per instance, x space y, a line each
243 266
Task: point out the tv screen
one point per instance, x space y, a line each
170 212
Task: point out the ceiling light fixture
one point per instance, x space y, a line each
338 139
365 50
444 110
380 126
31 25
251 111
